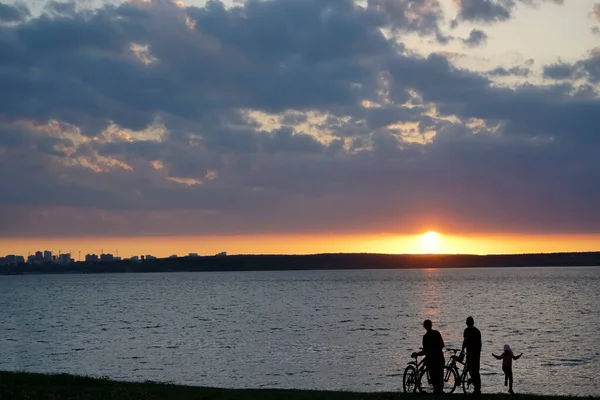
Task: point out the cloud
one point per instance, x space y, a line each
485 10
279 116
595 13
587 68
13 13
559 71
490 11
476 38
513 71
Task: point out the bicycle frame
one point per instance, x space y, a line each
419 365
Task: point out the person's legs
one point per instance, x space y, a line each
436 373
441 379
435 378
473 365
508 377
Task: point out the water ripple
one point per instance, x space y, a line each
349 330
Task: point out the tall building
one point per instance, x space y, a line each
107 257
47 255
65 258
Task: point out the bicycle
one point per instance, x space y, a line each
460 378
410 376
416 377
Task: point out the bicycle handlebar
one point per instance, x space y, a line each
415 357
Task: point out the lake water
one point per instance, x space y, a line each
350 330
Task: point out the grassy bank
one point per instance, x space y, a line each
21 386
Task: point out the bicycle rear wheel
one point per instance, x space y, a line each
450 379
425 385
409 380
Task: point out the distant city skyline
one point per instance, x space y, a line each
47 257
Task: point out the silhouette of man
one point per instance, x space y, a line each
472 342
434 356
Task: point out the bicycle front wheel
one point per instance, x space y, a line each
424 383
409 380
467 383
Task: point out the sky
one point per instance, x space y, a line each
300 126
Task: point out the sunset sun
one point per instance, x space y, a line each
431 242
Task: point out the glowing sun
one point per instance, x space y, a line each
431 242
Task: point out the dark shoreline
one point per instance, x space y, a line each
33 386
311 262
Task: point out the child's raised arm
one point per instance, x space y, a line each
517 357
497 357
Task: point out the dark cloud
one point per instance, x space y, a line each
489 11
60 8
485 10
559 71
13 13
513 71
280 116
476 38
588 68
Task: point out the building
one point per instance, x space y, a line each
36 258
107 257
65 259
221 254
47 256
91 258
12 259
193 255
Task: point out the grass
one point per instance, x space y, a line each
30 386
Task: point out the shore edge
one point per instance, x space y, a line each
34 386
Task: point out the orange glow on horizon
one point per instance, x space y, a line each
431 242
306 244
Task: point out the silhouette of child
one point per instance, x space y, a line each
507 358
